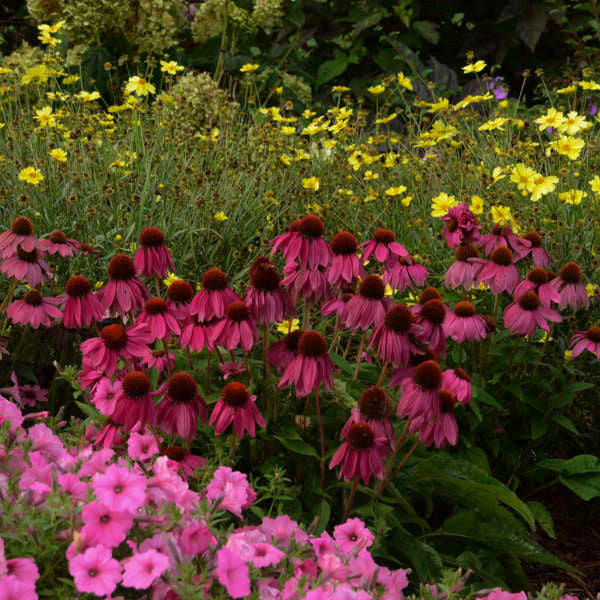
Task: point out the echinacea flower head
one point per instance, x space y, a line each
368 307
181 406
463 272
345 266
586 340
282 353
81 305
462 226
308 248
236 406
538 252
134 403
464 324
238 328
153 257
95 571
143 568
572 291
360 455
405 273
20 234
182 461
440 428
124 293
499 272
420 393
311 367
29 267
431 314
212 301
383 247
503 235
34 310
59 243
158 320
527 314
179 297
538 280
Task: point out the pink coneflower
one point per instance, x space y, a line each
282 353
236 406
104 525
459 383
394 339
541 258
81 306
153 258
59 243
115 342
108 437
281 242
120 488
405 273
345 266
143 568
360 455
95 571
499 272
306 284
34 310
527 314
503 236
266 297
462 226
197 335
374 408
311 367
212 301
368 307
19 234
158 359
420 393
442 428
231 369
181 406
431 314
308 247
183 461
179 300
538 280
124 293
586 340
88 249
336 305
462 271
401 373
384 247
237 328
134 403
572 291
29 267
463 323
105 395
158 320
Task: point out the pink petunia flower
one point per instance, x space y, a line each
345 268
232 489
124 293
266 555
238 328
233 573
212 301
105 395
158 320
527 314
34 310
10 412
29 267
120 488
104 525
586 340
384 247
236 406
142 446
95 571
13 588
81 305
368 307
143 568
463 271
196 538
153 258
311 367
464 324
266 297
59 243
352 535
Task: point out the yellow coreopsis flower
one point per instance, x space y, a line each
386 119
87 96
221 216
395 191
493 124
377 89
595 184
441 204
498 174
58 154
311 183
31 175
249 68
170 67
572 196
569 146
591 289
502 215
370 175
405 82
288 326
589 85
542 186
406 200
171 278
476 205
70 79
340 89
286 159
288 130
45 117
475 67
139 86
523 176
553 118
566 90
574 123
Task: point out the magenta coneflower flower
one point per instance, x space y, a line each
59 243
108 437
282 353
464 324
499 272
384 247
197 335
87 249
34 310
311 367
503 236
374 408
19 234
345 266
81 305
527 314
572 291
462 271
308 247
336 305
308 284
431 314
236 406
361 454
462 226
237 328
182 460
153 258
401 373
95 571
181 406
368 307
158 359
179 300
540 257
266 297
420 393
115 342
459 383
134 404
394 339
29 267
231 369
442 429
281 242
538 280
125 292
157 319
405 273
212 301
586 340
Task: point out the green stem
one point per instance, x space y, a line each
350 499
322 436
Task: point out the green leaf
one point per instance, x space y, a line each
332 68
324 516
482 396
93 74
543 517
581 474
586 486
565 422
298 446
531 24
88 409
428 31
539 426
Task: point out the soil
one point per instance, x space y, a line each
577 528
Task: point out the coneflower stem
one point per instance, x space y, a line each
233 448
539 360
165 343
322 436
207 382
265 354
359 355
347 348
392 458
189 358
157 286
401 464
336 333
383 374
306 318
351 499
